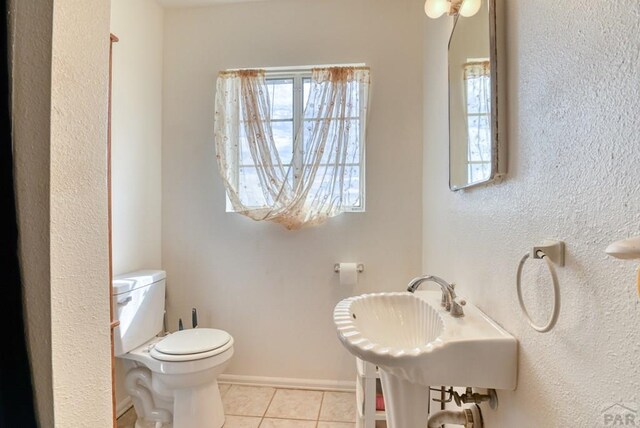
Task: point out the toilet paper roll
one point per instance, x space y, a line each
348 273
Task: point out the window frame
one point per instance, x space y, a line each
299 75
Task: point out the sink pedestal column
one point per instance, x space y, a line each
406 403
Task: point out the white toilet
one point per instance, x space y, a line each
172 379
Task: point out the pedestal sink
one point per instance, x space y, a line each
416 343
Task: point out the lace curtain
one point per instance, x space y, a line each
477 69
309 191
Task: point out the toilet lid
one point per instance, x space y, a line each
193 341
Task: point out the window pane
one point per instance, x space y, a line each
478 95
307 135
310 109
306 90
478 172
353 147
316 107
321 187
281 98
354 99
324 184
351 137
352 196
245 154
311 147
479 138
249 187
283 137
307 138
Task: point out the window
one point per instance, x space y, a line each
288 95
478 105
290 144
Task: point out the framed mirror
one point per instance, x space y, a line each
477 141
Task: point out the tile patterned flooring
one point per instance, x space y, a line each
265 407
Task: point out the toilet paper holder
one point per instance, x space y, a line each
360 268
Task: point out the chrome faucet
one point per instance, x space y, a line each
449 301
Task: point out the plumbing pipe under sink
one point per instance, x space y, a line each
468 418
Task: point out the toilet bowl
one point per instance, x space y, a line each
172 379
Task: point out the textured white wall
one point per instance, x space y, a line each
136 143
78 205
31 34
59 100
272 289
574 153
136 134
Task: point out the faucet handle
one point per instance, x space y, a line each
456 307
460 300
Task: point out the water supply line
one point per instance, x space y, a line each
469 397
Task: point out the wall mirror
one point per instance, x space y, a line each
477 149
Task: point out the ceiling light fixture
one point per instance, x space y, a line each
436 8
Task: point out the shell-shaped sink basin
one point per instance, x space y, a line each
414 338
387 326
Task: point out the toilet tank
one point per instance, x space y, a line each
138 303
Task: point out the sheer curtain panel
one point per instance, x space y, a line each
324 180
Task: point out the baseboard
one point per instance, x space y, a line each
292 383
123 406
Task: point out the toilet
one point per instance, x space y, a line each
172 379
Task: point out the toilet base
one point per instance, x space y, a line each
198 407
141 424
176 400
194 407
171 378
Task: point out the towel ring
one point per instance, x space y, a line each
556 292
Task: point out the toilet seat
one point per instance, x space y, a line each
185 365
193 344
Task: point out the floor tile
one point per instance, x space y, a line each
247 400
286 423
295 404
338 407
323 424
223 387
241 422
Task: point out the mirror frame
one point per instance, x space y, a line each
499 155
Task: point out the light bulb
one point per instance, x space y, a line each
470 7
436 8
